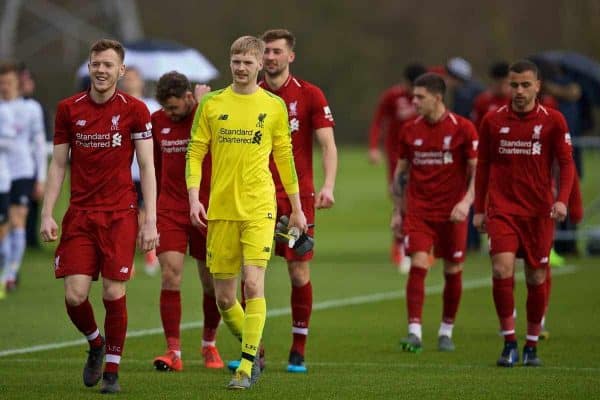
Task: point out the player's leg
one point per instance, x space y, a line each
116 234
301 302
451 245
537 243
503 265
415 298
4 243
171 263
212 318
17 214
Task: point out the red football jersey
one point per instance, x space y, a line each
171 138
101 138
307 110
393 110
485 103
437 156
516 154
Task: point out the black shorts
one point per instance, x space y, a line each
21 191
4 201
140 195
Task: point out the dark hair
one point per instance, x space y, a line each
276 34
499 70
523 66
107 44
172 84
413 71
433 82
8 67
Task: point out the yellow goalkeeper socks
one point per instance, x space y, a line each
234 319
256 313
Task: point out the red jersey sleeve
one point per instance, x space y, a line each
483 167
381 113
142 126
321 115
564 155
403 149
62 129
471 140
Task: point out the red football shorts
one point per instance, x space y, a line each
177 233
448 239
94 242
528 237
285 208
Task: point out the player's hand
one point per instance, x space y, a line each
324 198
298 220
375 156
148 237
558 211
460 212
38 191
48 229
200 91
479 222
396 223
198 214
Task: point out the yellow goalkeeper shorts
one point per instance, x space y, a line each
233 244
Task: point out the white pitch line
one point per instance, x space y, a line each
278 312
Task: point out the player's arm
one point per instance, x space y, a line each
284 161
197 149
54 181
461 210
564 156
148 235
378 123
482 175
398 189
326 139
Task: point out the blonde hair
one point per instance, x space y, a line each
248 44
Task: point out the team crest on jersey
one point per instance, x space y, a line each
294 125
537 131
261 120
115 122
293 108
165 131
447 141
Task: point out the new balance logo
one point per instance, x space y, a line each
81 122
418 142
124 270
568 138
223 117
165 131
544 260
116 140
505 129
267 249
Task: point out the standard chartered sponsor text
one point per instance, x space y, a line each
428 158
174 146
243 136
93 140
517 147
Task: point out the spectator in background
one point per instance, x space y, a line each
27 84
133 83
463 88
395 107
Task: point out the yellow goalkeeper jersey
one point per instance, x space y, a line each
241 131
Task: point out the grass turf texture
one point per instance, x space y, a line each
353 349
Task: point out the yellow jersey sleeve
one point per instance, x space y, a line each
282 152
200 137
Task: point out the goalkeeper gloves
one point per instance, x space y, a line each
300 242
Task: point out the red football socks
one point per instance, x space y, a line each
505 304
82 317
536 306
452 293
115 327
212 317
415 293
301 301
170 314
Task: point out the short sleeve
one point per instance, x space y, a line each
321 116
62 125
471 140
142 126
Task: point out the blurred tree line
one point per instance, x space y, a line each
352 49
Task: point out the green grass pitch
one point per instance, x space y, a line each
360 314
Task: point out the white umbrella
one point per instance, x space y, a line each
153 58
